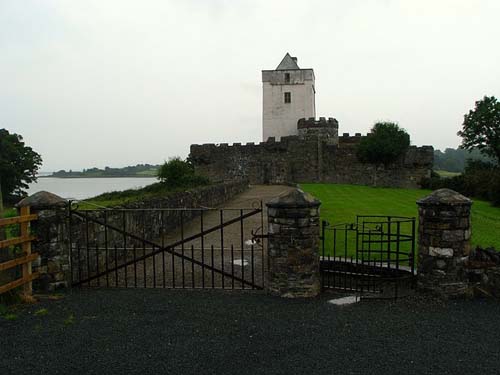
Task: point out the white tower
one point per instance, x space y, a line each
288 95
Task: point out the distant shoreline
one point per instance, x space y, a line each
132 171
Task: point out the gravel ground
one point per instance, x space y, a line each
126 331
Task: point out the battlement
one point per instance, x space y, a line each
323 128
312 122
271 142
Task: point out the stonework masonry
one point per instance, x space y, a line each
317 154
52 244
444 242
293 247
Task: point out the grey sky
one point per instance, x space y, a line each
96 83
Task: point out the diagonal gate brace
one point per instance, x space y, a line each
168 248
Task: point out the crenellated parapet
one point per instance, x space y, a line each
322 127
312 122
351 139
317 154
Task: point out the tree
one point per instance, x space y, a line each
174 171
179 173
386 143
18 164
481 128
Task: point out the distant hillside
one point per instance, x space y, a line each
139 170
454 160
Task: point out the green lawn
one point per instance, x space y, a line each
341 204
442 173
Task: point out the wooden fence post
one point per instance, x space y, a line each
26 246
26 259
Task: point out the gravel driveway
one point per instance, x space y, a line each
222 332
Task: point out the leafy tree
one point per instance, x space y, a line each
386 143
481 128
18 164
177 172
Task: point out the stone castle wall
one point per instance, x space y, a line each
309 157
327 129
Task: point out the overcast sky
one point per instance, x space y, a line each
114 83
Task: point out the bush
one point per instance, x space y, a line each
386 143
179 173
174 175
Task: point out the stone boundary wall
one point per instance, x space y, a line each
309 159
481 271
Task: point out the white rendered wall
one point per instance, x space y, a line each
280 118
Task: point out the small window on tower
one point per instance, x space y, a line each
287 77
288 97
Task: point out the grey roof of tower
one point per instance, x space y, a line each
288 63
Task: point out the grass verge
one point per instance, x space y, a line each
442 173
120 198
341 204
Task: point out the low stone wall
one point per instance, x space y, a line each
150 224
481 270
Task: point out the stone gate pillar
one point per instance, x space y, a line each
52 244
444 242
293 251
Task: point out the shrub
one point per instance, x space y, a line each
386 143
179 173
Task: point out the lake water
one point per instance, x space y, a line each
81 188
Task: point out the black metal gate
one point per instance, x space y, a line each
167 248
374 257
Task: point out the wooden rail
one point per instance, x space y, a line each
27 258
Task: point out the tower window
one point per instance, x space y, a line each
287 77
288 97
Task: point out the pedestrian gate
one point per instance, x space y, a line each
375 256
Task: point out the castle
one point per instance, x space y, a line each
288 95
298 147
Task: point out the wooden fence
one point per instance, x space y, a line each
25 238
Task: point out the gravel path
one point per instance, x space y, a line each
221 332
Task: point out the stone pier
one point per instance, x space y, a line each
293 250
444 242
52 244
